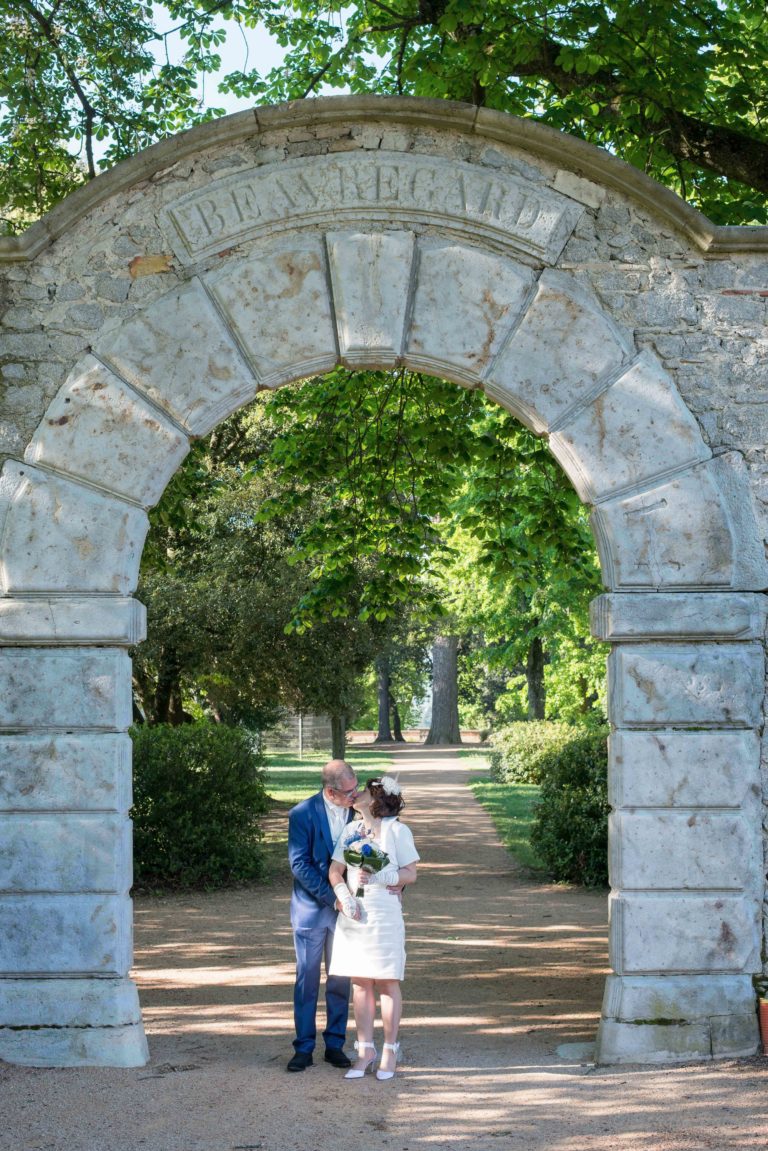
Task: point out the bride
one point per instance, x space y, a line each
369 942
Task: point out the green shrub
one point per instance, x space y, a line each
198 792
518 749
570 827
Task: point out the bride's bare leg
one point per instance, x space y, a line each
364 1004
391 1010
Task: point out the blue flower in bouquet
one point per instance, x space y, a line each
368 857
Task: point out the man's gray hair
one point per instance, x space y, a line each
335 773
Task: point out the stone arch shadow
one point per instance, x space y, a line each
480 302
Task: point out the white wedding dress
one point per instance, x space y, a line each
373 947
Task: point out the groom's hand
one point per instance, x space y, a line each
396 889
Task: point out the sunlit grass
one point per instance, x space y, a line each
290 779
510 806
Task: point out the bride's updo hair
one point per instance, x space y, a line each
386 799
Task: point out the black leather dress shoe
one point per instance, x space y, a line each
300 1061
337 1057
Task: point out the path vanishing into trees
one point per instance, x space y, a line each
503 988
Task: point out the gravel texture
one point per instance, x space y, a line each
502 996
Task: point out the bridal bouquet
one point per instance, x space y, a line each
367 856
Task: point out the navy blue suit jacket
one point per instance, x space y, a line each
310 847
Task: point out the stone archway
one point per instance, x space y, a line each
268 247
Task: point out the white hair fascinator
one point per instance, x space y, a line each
389 785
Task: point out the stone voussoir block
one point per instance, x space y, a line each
180 354
457 334
58 536
98 429
540 379
636 429
277 302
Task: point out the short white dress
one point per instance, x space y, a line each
373 947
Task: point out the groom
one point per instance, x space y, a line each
314 827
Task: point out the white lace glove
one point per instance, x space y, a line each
387 877
349 905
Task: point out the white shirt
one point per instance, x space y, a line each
337 818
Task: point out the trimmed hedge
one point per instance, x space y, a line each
518 750
570 827
198 792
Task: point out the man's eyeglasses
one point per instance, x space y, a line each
348 793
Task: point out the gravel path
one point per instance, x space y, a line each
502 992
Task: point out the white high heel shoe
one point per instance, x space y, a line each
389 1074
359 1072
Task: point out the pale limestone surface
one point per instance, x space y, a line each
706 685
66 934
701 616
97 426
61 620
56 772
370 282
42 851
687 769
678 931
458 333
202 380
592 304
57 536
68 688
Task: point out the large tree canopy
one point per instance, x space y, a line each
678 89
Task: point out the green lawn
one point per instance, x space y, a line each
289 780
510 806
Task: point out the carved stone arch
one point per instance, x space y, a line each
449 258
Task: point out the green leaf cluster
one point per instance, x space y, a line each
198 793
678 90
570 827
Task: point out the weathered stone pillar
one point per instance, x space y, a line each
686 680
65 835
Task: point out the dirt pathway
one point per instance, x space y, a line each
503 989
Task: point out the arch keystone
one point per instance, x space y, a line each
370 275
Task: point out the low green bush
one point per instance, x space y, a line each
517 750
198 792
570 827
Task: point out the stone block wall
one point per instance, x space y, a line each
591 303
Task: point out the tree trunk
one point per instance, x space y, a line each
338 736
445 692
384 734
397 731
534 674
167 687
